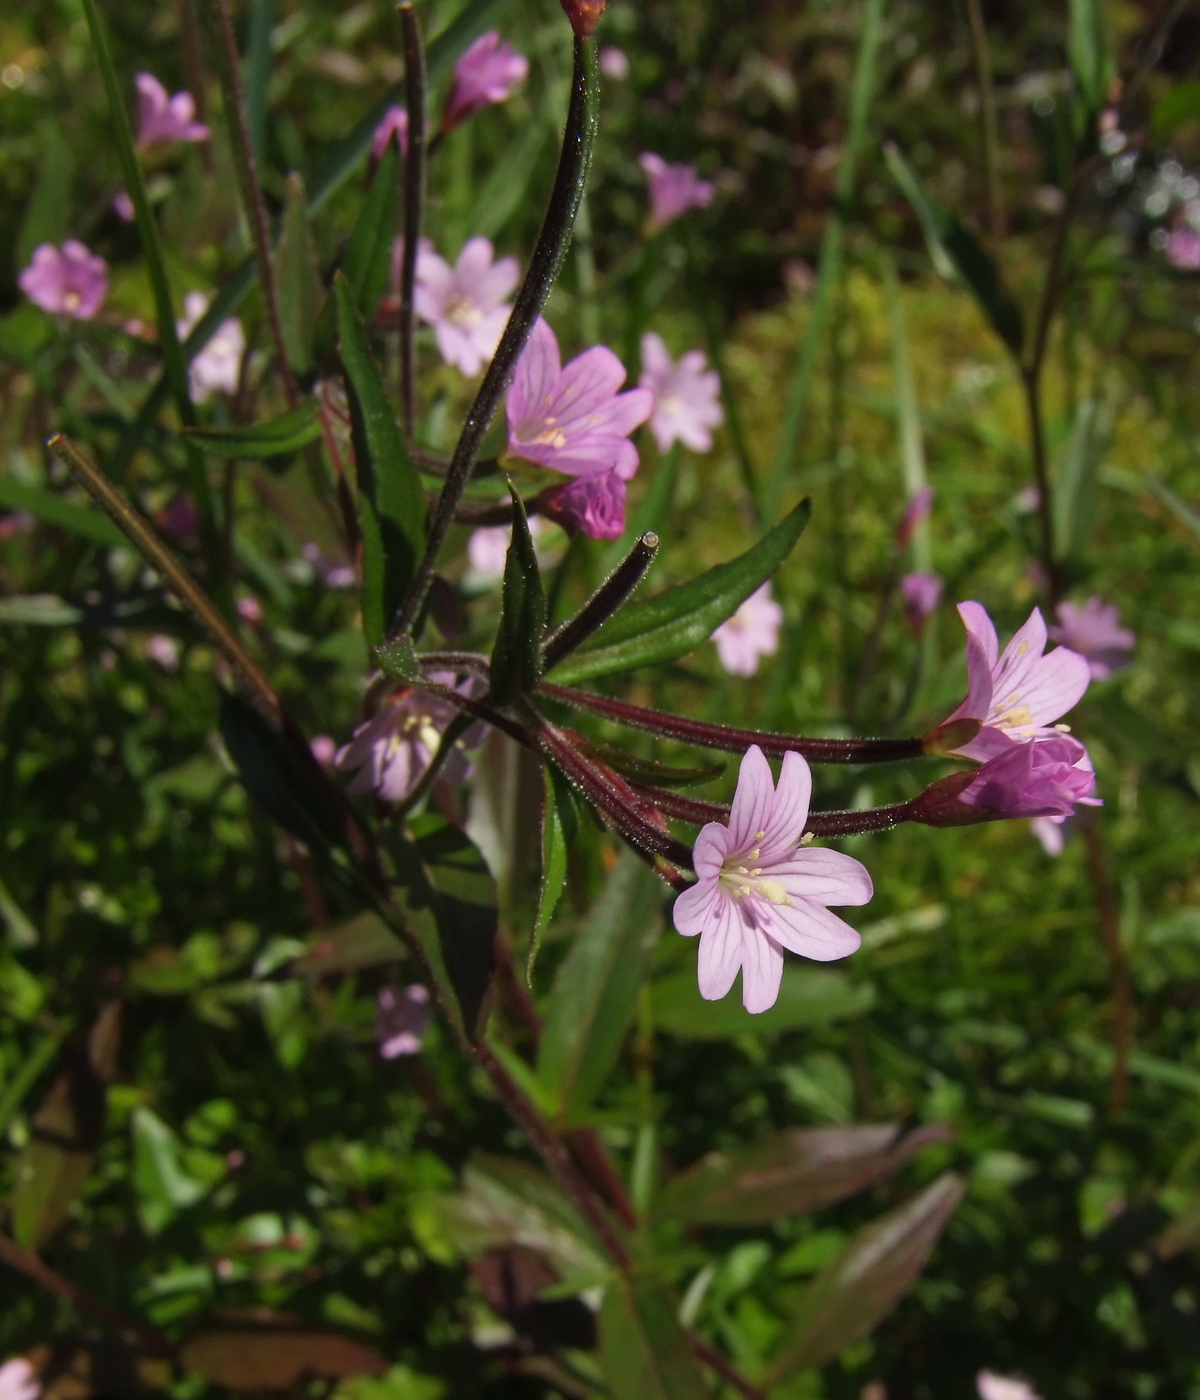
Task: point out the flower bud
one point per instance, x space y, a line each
584 15
1046 778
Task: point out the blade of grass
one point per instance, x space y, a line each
258 71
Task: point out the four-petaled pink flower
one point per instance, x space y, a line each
217 367
1019 695
486 73
994 1387
922 592
401 1020
67 281
758 892
394 125
674 189
163 119
573 420
752 632
18 1380
686 396
465 303
1095 632
389 753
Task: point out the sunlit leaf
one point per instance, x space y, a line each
164 1188
516 656
1090 52
364 941
39 610
275 438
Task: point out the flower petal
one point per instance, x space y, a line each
762 972
751 802
695 907
583 387
808 928
789 807
712 846
533 381
831 877
720 953
979 625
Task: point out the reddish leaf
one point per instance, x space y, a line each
265 1360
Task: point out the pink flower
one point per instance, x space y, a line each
1051 832
67 281
217 368
993 1387
324 749
1183 249
1094 631
401 1020
920 503
249 609
163 119
164 651
388 754
465 304
593 504
573 420
18 1380
614 63
757 892
752 632
333 575
1044 778
487 549
393 125
486 73
674 189
123 206
922 594
686 396
1019 695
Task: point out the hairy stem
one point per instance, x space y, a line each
414 206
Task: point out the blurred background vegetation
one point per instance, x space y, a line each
251 1150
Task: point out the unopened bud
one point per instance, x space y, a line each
584 15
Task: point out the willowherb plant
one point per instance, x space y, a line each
381 810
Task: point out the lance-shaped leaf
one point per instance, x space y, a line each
596 990
367 266
1090 53
54 509
644 1351
1076 487
558 832
680 619
801 1169
858 1288
39 610
298 277
957 253
808 996
456 931
64 1137
506 1203
276 438
391 502
516 656
363 941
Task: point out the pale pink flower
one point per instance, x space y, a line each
324 749
686 396
402 1017
67 281
758 892
1051 832
217 367
18 1380
163 119
752 632
674 189
388 754
393 126
486 73
249 609
994 1387
1019 695
572 419
1094 631
1045 778
593 504
123 206
465 304
487 549
920 503
1183 249
922 593
164 651
614 63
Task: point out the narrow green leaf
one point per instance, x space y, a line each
39 610
644 1351
276 438
808 996
1076 484
501 193
367 265
391 502
1090 54
257 79
35 1064
787 1173
517 653
595 992
955 251
298 278
47 214
557 814
363 941
858 1288
22 931
682 618
54 509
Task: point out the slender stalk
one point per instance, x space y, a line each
1118 963
713 1359
1031 385
982 57
252 195
544 267
604 602
840 823
142 535
414 206
33 1268
730 740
